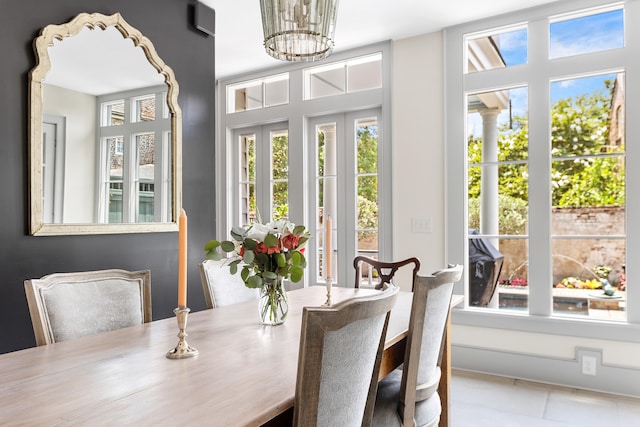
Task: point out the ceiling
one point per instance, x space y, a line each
239 27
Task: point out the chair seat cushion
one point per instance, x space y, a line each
388 398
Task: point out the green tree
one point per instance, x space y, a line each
580 127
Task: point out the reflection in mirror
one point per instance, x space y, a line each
105 137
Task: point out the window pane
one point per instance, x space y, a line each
498 206
368 243
583 269
280 174
578 34
245 96
367 148
364 73
497 49
327 202
588 149
581 115
145 109
247 179
498 174
112 113
513 282
367 185
325 81
276 90
115 162
145 144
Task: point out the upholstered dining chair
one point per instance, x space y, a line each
339 361
408 396
385 270
220 287
66 306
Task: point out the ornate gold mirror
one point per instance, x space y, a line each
105 131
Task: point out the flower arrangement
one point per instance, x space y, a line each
268 252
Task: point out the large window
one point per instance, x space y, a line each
313 152
135 157
543 227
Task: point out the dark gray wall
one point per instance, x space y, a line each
169 25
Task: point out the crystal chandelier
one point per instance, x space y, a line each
298 30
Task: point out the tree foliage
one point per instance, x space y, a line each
512 215
585 169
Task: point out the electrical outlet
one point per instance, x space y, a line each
589 365
588 360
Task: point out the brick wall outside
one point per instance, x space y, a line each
575 257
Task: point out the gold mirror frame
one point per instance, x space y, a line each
50 33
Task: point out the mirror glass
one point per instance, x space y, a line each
105 131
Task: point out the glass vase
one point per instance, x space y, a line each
273 305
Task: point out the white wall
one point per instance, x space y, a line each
79 110
418 106
418 149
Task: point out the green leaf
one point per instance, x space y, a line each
281 260
245 273
248 257
269 275
296 274
254 282
227 246
213 255
295 258
211 244
270 240
302 241
233 268
298 230
250 244
303 261
238 233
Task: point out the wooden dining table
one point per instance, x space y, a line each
244 375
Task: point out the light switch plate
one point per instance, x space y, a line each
421 225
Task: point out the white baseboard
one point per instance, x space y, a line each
563 372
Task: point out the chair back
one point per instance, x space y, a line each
220 287
427 322
66 306
385 270
339 361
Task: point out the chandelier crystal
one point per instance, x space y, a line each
298 30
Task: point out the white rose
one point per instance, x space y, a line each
280 226
258 232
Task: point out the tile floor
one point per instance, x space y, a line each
479 400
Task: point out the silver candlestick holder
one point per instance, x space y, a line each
329 283
183 350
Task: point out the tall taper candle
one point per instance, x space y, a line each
327 247
182 259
